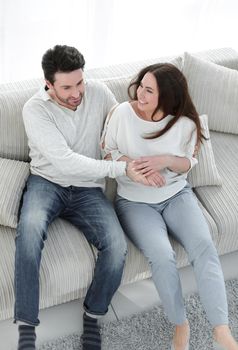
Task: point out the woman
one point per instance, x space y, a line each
159 130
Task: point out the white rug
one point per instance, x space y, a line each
151 330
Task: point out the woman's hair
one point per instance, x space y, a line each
174 98
61 58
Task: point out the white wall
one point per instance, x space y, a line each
110 31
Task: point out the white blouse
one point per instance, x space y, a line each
123 135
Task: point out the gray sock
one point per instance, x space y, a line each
27 338
91 337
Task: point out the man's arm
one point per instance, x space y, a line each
44 136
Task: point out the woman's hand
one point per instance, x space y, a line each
150 165
155 180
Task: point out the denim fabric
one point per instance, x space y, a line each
89 210
149 227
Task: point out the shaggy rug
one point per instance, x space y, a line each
151 330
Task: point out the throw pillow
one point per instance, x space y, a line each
205 173
214 91
13 175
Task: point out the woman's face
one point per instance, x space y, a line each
148 94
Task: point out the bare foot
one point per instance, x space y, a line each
181 336
223 336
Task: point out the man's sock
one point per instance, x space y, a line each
91 338
27 338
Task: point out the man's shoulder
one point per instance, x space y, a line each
39 96
37 101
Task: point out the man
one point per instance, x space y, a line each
63 122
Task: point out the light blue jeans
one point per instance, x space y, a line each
89 210
149 227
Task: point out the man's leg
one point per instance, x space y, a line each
41 204
92 213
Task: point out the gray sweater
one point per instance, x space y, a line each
64 144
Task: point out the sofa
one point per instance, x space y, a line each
68 260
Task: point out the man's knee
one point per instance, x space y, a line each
31 232
114 244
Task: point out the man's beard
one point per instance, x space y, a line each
72 102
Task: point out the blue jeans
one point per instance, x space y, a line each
89 210
149 227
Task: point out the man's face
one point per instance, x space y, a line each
68 88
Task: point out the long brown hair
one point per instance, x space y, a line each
174 98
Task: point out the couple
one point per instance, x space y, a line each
148 145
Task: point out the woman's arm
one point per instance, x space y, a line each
152 164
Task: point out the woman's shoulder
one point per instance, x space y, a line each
122 108
186 122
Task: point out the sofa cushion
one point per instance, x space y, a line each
221 202
13 175
13 139
119 87
214 91
205 173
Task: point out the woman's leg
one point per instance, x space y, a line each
147 230
187 225
185 221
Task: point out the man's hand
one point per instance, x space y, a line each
154 179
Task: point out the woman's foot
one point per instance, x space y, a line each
222 336
181 337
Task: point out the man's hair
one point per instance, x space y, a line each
61 58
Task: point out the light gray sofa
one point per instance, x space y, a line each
68 261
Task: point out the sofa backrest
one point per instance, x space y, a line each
13 140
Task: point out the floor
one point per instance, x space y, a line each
129 299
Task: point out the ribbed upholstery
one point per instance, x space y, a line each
214 91
13 139
205 173
13 175
221 202
119 87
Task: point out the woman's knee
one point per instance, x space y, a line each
159 258
203 250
